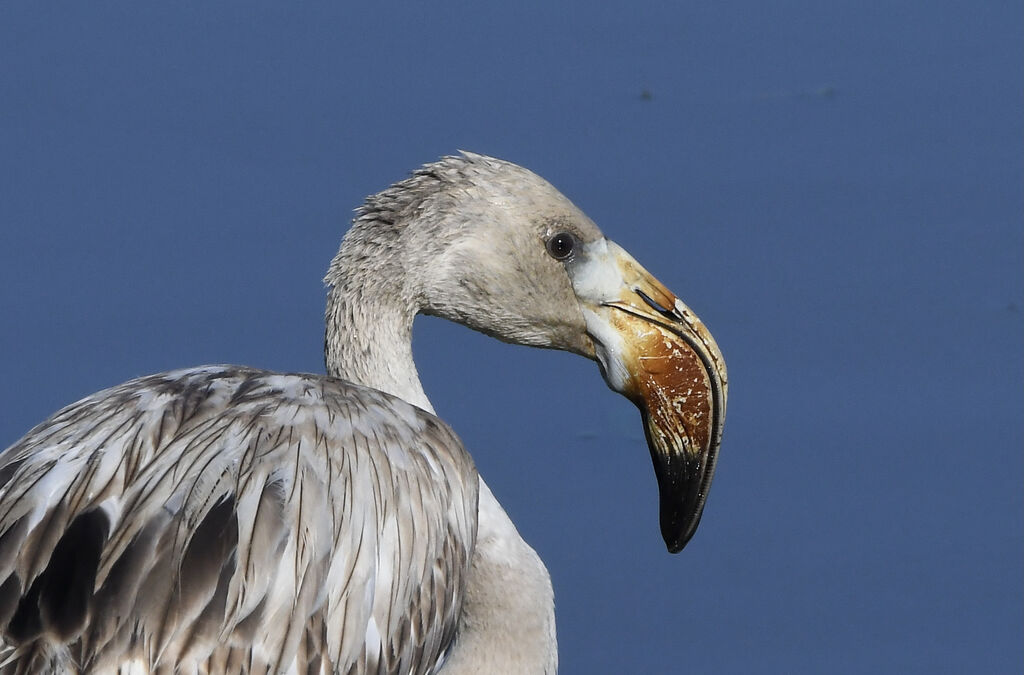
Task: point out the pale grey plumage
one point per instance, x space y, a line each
230 520
237 520
451 240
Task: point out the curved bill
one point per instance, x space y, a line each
656 352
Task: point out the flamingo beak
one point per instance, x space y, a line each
657 353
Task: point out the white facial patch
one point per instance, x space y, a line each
597 279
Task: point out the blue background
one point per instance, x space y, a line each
836 188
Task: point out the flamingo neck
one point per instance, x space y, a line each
369 342
507 622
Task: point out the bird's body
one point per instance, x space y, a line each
230 520
188 516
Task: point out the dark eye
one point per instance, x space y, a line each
561 246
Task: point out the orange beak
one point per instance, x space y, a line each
656 352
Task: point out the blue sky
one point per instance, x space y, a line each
836 188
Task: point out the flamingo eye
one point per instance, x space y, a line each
561 246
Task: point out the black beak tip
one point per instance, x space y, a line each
683 475
677 532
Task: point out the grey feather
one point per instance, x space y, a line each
229 520
208 508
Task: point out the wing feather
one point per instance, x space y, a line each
226 519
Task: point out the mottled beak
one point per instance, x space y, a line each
656 352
